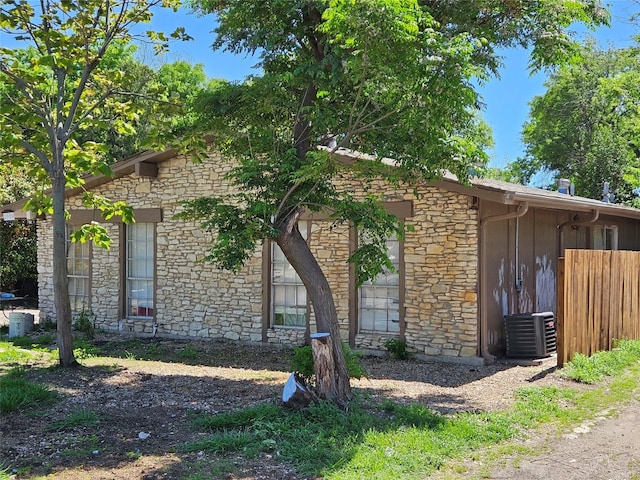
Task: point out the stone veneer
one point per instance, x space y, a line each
199 301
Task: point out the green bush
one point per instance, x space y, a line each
302 362
397 348
86 323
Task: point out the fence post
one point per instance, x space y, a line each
560 341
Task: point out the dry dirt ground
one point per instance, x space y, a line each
144 407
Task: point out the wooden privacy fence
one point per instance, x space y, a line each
598 301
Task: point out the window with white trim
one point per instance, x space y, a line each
78 269
379 299
288 294
140 264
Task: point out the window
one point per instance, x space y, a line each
288 294
140 269
78 268
379 300
605 237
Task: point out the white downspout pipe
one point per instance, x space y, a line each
523 208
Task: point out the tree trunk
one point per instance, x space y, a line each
295 248
296 394
60 281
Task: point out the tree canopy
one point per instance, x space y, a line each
66 83
586 126
390 78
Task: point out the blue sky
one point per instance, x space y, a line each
506 98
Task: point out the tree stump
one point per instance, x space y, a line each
324 366
296 394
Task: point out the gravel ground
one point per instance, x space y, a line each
155 398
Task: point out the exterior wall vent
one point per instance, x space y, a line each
530 335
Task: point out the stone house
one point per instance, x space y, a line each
476 253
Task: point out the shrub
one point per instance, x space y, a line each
397 348
86 323
302 362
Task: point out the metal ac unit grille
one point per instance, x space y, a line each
530 335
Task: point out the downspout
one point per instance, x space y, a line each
595 214
523 208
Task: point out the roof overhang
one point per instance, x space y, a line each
143 164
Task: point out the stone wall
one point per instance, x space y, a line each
197 300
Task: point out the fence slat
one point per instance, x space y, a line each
598 300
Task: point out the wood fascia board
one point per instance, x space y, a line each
142 215
497 196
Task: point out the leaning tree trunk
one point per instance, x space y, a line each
60 281
335 387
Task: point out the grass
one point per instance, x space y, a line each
403 441
388 440
81 418
602 364
373 439
17 393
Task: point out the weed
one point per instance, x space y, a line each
82 349
17 393
44 340
302 362
83 418
86 323
87 446
397 348
134 455
48 324
603 364
189 353
22 341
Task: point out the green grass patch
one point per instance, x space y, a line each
603 364
9 353
403 442
83 348
388 440
82 418
17 393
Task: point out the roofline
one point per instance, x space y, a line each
506 196
119 169
550 200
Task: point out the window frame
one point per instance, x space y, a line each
70 228
126 278
305 230
399 285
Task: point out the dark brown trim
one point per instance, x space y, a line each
145 169
141 215
401 289
266 289
122 243
353 291
401 209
